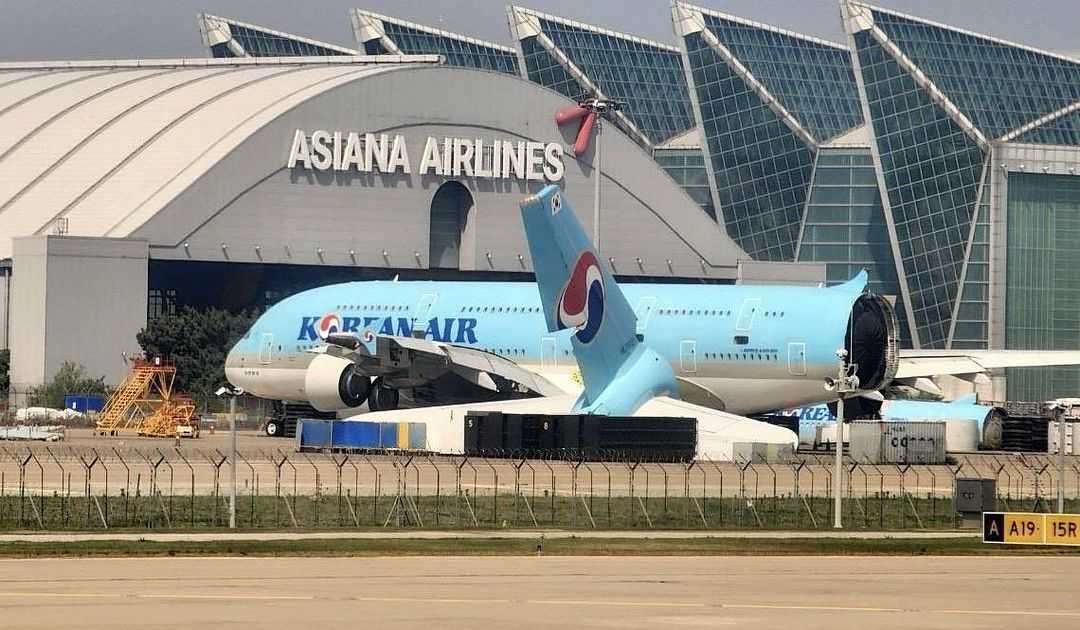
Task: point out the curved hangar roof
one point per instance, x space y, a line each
112 146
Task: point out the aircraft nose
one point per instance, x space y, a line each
234 367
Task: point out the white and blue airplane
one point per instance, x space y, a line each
738 349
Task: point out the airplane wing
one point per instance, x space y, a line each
409 359
928 363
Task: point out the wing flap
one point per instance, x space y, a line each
920 363
469 363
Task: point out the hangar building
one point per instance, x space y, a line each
942 161
128 188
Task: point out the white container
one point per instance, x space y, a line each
961 435
1053 433
880 442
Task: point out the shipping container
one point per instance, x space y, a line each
312 434
1054 435
84 403
761 453
417 436
579 436
355 435
388 434
346 435
882 442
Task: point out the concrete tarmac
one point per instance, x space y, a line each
527 592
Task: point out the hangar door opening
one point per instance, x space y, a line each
450 211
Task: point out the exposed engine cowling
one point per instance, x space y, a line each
333 383
871 341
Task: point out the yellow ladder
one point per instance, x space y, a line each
118 405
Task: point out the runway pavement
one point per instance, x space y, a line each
526 593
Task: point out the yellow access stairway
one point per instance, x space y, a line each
137 401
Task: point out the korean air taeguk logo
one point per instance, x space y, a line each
581 303
327 325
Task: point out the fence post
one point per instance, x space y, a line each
375 490
127 484
191 482
495 494
253 490
438 488
89 472
217 463
63 489
317 499
551 514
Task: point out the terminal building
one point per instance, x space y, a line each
940 160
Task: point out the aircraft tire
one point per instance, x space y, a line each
382 398
273 428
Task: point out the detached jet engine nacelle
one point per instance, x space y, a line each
332 383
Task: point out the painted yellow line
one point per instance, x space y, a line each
424 600
821 608
41 594
1015 613
590 602
224 597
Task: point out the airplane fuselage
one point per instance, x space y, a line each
755 348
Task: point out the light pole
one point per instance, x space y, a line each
846 383
232 393
597 108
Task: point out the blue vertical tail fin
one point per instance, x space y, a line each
578 292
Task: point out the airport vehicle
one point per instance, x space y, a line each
740 348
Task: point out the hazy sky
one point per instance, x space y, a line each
89 29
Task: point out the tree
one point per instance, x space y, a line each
71 378
196 341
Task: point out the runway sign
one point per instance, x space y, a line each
1018 528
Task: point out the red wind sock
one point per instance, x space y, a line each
568 113
584 134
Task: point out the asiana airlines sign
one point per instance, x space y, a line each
456 157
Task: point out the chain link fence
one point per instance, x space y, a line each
59 487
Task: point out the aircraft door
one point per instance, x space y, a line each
643 312
749 309
688 355
422 314
549 357
796 358
266 348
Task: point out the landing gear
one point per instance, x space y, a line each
273 428
382 398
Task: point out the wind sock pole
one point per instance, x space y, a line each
590 111
596 188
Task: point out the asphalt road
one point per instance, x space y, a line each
525 593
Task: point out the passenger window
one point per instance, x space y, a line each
741 340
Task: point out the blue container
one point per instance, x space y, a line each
314 433
355 434
84 403
95 402
418 435
388 437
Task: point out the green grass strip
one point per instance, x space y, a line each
518 547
